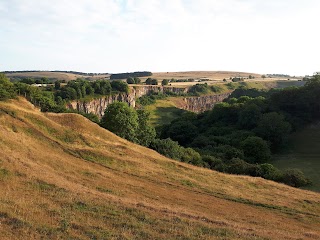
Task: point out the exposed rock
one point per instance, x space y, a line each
195 104
203 103
97 106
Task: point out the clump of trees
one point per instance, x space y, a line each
165 82
128 123
134 80
133 125
200 89
7 89
80 88
151 81
239 135
130 75
151 98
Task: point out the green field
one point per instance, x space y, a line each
163 112
304 153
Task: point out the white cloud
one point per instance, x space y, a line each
159 35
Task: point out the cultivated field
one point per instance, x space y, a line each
63 177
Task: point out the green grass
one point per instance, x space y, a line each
303 152
163 112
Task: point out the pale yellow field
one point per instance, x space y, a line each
63 177
211 75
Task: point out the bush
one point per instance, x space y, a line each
167 147
295 178
151 81
122 120
270 172
256 150
198 89
7 90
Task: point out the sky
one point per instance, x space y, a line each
259 36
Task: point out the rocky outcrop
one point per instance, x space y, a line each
97 106
195 104
203 103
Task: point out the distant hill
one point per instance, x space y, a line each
64 177
55 75
189 75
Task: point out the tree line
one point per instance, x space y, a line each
128 75
55 96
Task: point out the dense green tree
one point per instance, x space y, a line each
249 116
165 82
120 86
137 80
130 80
238 166
182 131
273 128
151 81
122 120
256 150
133 74
295 178
191 156
199 89
7 89
167 147
57 85
270 172
145 133
89 90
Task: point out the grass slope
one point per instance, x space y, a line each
304 153
63 177
164 111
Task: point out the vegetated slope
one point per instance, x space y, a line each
163 111
304 153
63 176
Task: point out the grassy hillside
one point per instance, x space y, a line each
164 111
304 153
63 177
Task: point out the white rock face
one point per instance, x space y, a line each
195 104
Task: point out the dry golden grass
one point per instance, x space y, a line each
211 75
63 177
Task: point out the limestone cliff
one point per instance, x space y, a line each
97 106
195 104
203 103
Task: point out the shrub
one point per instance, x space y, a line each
295 178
